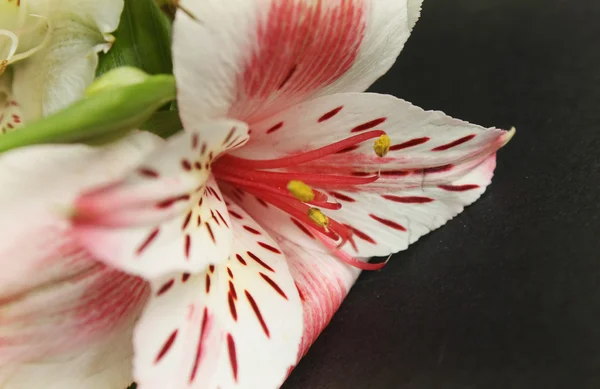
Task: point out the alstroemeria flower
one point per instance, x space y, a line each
56 44
245 228
66 320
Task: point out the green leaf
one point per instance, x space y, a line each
102 116
143 40
163 123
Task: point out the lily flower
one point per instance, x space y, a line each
52 46
252 225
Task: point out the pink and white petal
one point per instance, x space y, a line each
323 282
39 185
250 59
73 330
423 143
389 222
168 214
238 325
61 311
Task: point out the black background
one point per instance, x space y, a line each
507 295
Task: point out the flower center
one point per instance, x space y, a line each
291 191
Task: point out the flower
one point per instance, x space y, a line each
56 43
244 223
66 320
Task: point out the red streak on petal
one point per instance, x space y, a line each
275 127
438 169
230 272
184 277
228 137
342 197
241 259
186 165
395 173
207 283
232 308
166 286
186 221
269 247
194 141
236 215
232 290
388 223
222 218
203 149
170 201
330 114
147 172
232 356
262 202
259 261
147 241
210 232
300 292
368 125
259 315
361 234
454 144
199 347
166 346
188 243
211 268
410 143
408 199
288 76
273 285
302 228
251 230
458 188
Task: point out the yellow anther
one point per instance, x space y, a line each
301 191
318 217
382 145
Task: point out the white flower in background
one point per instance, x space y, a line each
51 48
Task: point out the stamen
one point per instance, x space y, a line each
301 157
382 145
278 178
318 217
301 191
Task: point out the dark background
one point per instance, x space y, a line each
507 295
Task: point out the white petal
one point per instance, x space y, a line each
248 59
323 282
238 325
386 223
414 12
168 214
59 73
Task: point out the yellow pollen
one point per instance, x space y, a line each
301 191
382 145
318 217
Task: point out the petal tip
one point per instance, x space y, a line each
509 135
